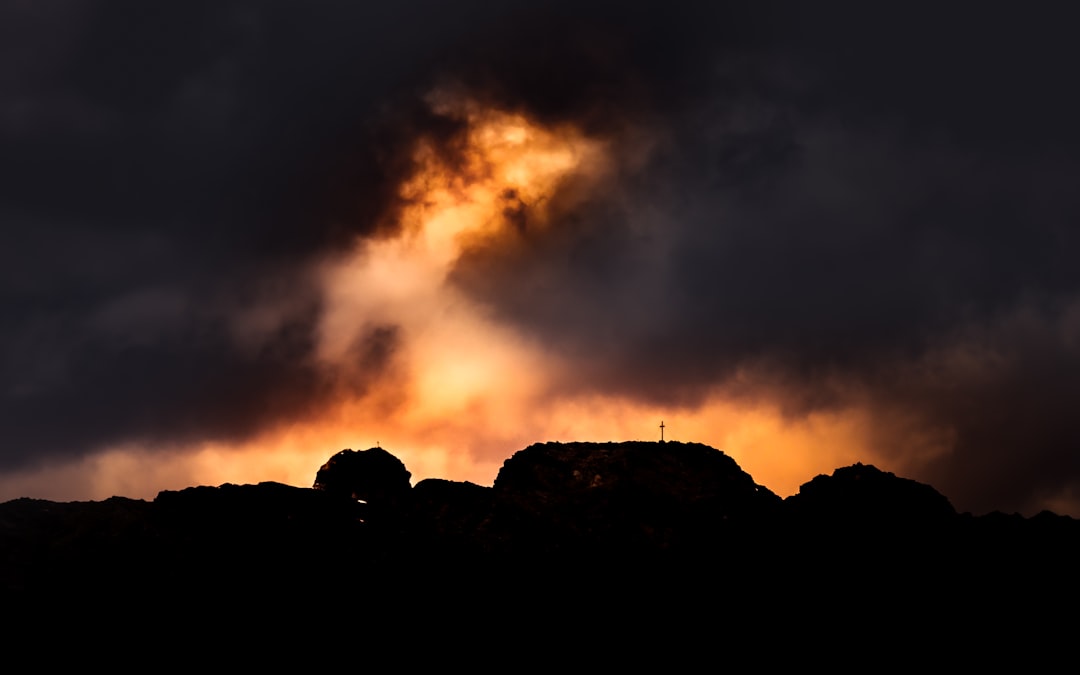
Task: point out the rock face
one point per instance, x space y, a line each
689 473
634 494
863 493
372 475
570 527
449 515
200 542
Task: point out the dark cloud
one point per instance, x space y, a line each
820 219
165 175
836 203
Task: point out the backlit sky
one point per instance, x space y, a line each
237 236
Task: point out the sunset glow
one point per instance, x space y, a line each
238 240
458 393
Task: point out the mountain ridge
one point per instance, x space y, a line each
683 520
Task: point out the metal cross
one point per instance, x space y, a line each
661 431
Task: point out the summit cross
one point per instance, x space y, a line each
661 431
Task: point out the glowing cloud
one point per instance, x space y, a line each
470 391
503 172
444 385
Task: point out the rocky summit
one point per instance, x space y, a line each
579 529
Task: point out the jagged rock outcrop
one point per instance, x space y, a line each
63 547
239 516
864 494
860 521
373 475
565 525
626 495
449 515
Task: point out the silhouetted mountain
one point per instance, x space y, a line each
373 478
448 518
864 495
597 530
619 497
369 475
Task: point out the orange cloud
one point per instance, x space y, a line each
461 392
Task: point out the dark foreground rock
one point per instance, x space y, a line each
642 536
864 494
621 498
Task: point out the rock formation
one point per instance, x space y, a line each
610 527
372 475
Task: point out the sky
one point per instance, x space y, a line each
237 236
